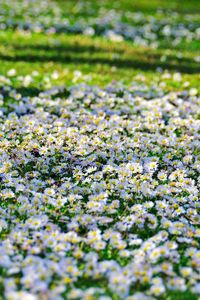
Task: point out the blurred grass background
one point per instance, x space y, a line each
98 59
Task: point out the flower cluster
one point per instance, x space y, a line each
99 193
142 29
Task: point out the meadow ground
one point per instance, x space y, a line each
99 150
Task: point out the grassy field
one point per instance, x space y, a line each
99 60
99 148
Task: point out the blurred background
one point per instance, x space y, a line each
100 41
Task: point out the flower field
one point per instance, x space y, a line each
99 150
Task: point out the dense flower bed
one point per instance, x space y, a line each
99 193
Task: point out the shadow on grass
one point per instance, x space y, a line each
93 55
24 91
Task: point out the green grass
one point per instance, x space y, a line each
99 60
181 296
145 6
